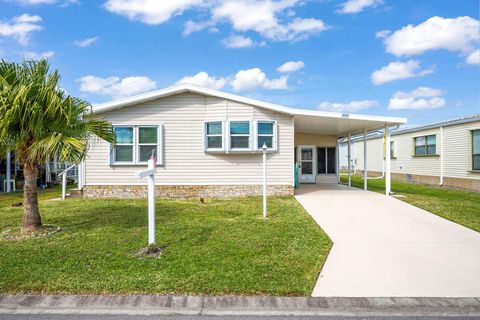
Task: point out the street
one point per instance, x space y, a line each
200 317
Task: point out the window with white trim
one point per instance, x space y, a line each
239 135
134 145
425 145
214 135
147 143
123 148
476 149
266 134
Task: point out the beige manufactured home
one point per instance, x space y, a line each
208 144
445 153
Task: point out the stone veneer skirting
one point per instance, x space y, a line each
184 191
449 182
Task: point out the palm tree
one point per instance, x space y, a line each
39 120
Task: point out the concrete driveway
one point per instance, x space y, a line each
386 247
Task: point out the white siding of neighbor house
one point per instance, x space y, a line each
456 157
185 161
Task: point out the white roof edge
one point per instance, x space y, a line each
181 88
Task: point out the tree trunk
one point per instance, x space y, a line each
31 215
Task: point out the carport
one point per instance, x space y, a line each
384 247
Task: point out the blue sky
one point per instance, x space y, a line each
415 59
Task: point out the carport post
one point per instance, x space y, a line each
388 186
349 161
365 175
9 173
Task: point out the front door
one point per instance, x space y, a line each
307 170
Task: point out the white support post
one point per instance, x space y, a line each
64 185
151 204
365 172
388 185
349 161
48 177
441 156
337 156
264 149
9 173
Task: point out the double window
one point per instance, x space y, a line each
239 134
476 149
136 144
426 145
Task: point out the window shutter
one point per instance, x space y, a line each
275 136
110 154
160 146
255 135
224 135
250 137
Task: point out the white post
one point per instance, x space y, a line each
264 149
9 173
349 161
48 178
64 184
388 186
151 204
365 175
441 156
337 156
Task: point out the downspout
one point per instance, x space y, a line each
441 156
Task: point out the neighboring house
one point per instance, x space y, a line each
445 153
208 144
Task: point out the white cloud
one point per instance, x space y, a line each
382 34
457 35
418 99
355 6
252 79
65 3
151 11
85 42
237 41
262 17
399 70
474 57
291 66
116 87
353 106
29 55
273 20
20 27
204 80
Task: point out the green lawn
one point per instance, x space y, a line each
7 199
220 247
462 207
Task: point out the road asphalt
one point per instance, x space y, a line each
199 317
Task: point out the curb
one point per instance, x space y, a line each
236 305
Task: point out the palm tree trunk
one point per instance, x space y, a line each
31 215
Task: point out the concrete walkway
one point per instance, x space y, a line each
384 247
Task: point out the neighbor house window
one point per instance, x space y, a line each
123 149
266 134
426 145
147 143
476 149
136 144
392 150
239 135
214 135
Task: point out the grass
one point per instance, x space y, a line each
219 247
456 205
7 199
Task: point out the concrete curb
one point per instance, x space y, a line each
235 305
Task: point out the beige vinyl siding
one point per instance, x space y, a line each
310 139
456 158
458 150
185 161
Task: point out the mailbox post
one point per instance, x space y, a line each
150 174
